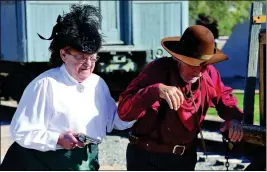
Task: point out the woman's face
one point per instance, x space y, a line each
78 64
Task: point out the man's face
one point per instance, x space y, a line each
78 64
190 73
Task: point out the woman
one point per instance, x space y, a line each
65 101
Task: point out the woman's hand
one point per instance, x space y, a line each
68 141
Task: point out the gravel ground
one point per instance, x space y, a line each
115 157
113 149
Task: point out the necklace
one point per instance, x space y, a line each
187 96
199 127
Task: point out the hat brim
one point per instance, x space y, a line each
172 46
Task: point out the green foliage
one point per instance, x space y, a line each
227 13
240 98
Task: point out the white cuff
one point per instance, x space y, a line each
52 139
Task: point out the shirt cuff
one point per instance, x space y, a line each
154 91
52 140
234 113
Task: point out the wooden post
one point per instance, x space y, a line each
262 77
252 63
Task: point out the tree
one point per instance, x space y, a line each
226 13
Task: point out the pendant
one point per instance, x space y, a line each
80 88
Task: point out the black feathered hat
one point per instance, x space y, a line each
78 29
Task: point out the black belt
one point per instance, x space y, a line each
159 148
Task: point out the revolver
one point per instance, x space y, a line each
87 139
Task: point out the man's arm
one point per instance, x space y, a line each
141 93
225 102
226 106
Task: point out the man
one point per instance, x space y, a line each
170 98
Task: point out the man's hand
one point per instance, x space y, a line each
235 129
172 95
68 141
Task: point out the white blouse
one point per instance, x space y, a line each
55 102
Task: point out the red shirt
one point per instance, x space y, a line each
141 101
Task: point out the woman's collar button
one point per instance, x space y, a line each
80 88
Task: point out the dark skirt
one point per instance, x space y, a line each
20 158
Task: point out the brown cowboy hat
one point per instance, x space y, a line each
196 47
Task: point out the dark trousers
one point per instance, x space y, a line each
258 162
139 160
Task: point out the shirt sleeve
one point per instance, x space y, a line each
31 119
142 93
113 120
225 102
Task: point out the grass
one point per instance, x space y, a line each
239 96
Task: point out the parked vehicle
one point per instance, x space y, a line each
133 31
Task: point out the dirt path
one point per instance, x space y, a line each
6 140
